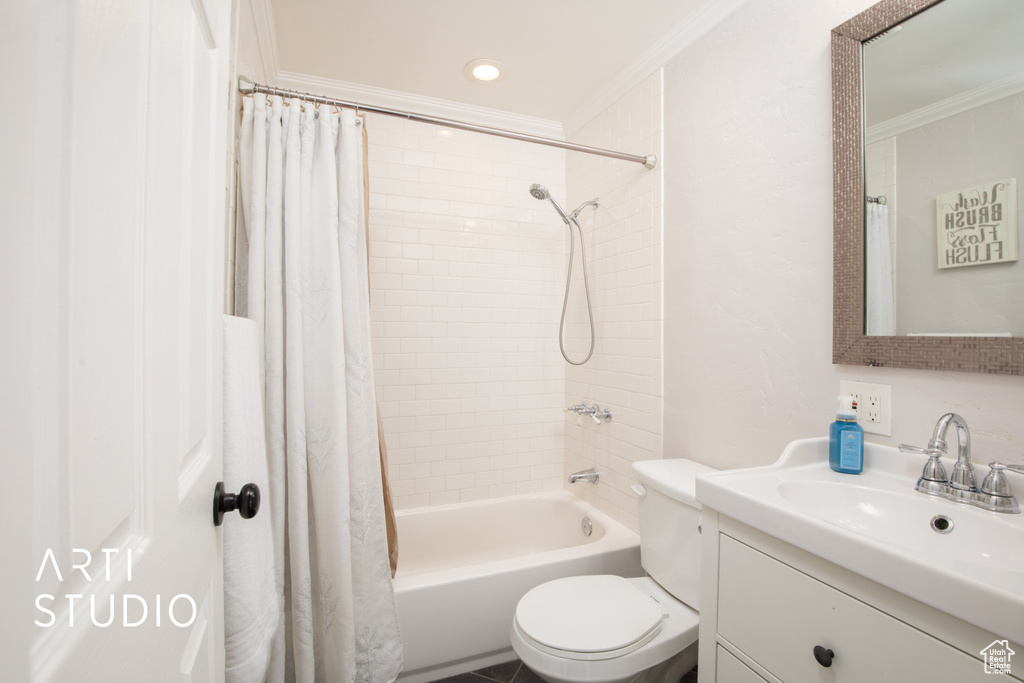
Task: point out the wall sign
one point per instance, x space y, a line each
977 225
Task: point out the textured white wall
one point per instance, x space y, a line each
748 253
465 289
624 243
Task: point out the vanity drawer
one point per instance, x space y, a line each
776 615
733 670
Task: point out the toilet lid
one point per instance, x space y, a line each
589 617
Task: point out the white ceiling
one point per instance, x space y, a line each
559 54
954 49
566 59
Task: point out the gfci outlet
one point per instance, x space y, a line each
874 405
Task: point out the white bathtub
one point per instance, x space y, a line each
462 569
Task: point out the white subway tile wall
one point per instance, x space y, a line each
466 278
624 254
467 275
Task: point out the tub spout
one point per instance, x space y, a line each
589 475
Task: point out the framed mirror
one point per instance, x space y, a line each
950 325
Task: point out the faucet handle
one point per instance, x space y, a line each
996 493
934 450
933 479
933 469
996 483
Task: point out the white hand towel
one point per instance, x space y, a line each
253 602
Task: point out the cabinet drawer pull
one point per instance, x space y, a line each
823 656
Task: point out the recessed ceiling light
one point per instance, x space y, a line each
485 70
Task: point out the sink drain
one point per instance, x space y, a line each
942 524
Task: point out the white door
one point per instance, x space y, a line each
113 179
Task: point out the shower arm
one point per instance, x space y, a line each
576 212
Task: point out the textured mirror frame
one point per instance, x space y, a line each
850 346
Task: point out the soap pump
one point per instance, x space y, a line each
846 439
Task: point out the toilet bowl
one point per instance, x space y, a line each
609 629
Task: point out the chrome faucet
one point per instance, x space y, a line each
994 494
596 414
590 475
962 480
933 481
594 411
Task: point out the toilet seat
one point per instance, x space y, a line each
588 617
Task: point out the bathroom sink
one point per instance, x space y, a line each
962 560
917 523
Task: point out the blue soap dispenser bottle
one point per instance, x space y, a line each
846 439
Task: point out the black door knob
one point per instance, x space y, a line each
823 655
246 501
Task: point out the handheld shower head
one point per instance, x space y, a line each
538 191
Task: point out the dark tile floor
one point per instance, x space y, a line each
509 672
517 672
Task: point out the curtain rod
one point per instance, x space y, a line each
247 87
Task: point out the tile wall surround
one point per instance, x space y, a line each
466 276
467 280
624 253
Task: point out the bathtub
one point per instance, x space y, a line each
462 569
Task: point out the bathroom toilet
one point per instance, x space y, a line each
608 629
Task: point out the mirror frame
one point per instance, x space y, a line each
850 346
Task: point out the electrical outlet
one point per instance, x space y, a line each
874 405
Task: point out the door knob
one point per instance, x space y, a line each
246 501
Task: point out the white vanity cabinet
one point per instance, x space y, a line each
766 605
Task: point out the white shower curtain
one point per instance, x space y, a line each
301 274
878 293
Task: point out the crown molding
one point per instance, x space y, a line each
945 108
706 17
430 106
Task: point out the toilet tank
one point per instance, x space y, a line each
669 520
